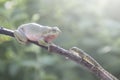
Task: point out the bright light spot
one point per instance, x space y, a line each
36 17
105 49
9 4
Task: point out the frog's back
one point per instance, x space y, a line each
33 31
32 27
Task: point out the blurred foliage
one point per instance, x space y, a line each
84 23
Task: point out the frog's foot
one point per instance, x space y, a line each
21 38
44 43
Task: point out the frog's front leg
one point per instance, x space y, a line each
20 36
42 42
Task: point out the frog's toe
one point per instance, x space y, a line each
42 42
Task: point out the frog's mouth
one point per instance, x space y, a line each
49 38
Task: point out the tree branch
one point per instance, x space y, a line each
98 71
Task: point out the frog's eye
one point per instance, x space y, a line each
55 29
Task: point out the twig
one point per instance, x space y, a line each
98 71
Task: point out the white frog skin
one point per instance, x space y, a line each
44 35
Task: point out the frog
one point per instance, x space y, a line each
44 35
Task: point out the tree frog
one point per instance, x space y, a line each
44 35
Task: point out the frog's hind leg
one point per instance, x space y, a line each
20 36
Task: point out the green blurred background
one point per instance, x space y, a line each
92 25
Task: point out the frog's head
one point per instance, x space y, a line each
52 34
55 30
